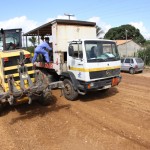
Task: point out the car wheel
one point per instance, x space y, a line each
132 70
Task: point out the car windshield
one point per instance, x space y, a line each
97 51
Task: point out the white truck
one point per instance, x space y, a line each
82 61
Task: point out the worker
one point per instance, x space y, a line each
42 49
92 52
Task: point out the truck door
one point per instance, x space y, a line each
75 62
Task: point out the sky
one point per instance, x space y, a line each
29 14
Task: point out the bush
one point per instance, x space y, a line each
145 55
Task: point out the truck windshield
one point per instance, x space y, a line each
101 51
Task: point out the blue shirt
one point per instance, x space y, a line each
43 46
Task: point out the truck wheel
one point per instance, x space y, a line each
132 70
46 99
69 91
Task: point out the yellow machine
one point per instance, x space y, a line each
19 82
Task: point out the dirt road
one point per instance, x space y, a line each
116 120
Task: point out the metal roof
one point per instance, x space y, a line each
121 42
46 29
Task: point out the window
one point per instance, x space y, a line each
131 61
101 51
139 60
12 40
77 48
127 60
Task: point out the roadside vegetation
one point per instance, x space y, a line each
124 32
33 41
145 53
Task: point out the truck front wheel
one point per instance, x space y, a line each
69 91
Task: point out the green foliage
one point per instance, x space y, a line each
33 40
30 49
147 43
99 31
119 33
145 55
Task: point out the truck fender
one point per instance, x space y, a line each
71 76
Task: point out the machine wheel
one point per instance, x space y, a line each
1 105
69 91
46 99
1 108
132 70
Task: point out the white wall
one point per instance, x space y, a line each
132 48
67 33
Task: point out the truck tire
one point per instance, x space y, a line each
69 91
46 99
132 71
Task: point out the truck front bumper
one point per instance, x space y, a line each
100 84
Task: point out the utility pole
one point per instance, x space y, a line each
126 31
69 15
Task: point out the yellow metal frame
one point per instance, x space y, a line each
7 54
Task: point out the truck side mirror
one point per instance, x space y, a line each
71 50
2 31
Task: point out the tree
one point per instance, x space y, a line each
33 40
147 43
99 31
145 55
119 33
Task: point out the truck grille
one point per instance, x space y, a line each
104 73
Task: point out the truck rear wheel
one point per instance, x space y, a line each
69 91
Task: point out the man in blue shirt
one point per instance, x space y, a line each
42 49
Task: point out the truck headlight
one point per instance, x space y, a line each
90 85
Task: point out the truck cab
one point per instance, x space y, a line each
92 64
10 39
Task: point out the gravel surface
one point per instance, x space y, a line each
116 120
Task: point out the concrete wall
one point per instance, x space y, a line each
132 49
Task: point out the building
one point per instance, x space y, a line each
127 47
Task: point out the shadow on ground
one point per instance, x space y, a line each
98 95
27 111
